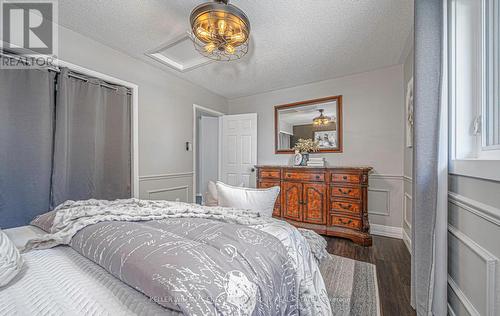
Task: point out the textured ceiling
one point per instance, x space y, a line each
293 42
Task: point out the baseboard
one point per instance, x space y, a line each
386 231
407 240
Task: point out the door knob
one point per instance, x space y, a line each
253 169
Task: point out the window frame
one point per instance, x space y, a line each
491 70
469 153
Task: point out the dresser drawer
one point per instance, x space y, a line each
348 222
350 207
305 176
263 184
346 192
270 184
346 178
269 174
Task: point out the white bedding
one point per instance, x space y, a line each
20 235
59 281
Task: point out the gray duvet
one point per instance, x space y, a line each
195 265
194 259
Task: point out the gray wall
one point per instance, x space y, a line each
408 156
473 246
373 133
165 113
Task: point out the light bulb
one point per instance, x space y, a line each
238 37
221 24
210 47
201 32
229 49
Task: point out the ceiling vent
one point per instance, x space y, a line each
179 54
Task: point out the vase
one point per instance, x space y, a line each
305 158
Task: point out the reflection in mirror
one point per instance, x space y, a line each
318 121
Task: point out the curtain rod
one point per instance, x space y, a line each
70 74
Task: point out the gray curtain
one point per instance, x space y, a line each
26 143
92 155
429 218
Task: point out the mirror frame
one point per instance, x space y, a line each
337 98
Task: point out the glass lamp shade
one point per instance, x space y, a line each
321 119
220 31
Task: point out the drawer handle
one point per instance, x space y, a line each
344 177
346 207
317 177
345 223
345 192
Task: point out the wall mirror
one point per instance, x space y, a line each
319 119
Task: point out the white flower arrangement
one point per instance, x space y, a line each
306 146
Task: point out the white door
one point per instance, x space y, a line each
239 149
209 152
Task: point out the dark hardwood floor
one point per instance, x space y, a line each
392 259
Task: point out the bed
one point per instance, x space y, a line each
59 281
269 269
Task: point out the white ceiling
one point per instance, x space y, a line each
293 42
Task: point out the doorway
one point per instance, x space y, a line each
206 149
224 148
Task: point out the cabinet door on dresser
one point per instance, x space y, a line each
315 203
291 200
264 184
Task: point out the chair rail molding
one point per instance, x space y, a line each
165 176
487 212
491 267
408 179
386 176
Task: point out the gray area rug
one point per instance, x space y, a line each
352 286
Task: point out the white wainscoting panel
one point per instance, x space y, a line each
489 269
379 202
407 209
407 239
385 199
464 300
171 187
451 312
473 269
180 194
487 212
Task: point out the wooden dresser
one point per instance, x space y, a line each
330 201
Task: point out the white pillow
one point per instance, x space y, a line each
211 198
261 200
10 260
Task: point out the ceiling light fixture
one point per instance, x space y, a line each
321 119
220 30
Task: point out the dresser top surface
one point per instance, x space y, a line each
364 168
